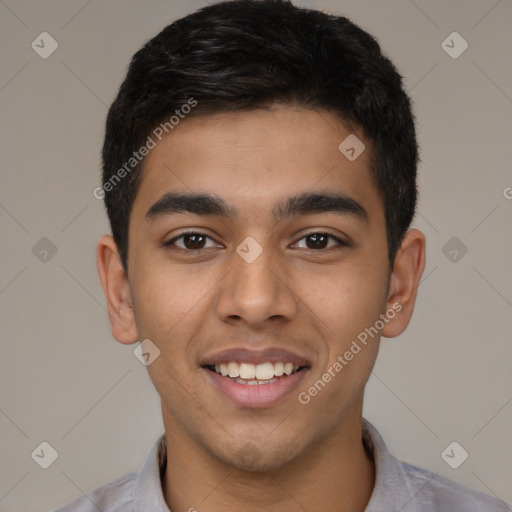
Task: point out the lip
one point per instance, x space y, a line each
243 355
258 395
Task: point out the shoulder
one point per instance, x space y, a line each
114 496
435 492
403 486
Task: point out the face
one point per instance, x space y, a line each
252 277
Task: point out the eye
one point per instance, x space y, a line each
320 241
192 241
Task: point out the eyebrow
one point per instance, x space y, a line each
300 204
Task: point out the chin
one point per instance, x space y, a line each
259 457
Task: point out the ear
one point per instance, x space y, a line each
407 271
117 291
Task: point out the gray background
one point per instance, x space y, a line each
64 380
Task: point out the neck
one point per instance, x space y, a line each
336 474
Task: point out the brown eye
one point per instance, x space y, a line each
317 241
191 241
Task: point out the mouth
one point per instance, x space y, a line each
255 379
255 374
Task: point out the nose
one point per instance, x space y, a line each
257 291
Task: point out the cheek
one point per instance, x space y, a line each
164 297
346 301
169 310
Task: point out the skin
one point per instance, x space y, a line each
314 301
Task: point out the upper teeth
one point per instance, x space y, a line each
264 371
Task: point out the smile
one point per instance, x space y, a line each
257 385
254 374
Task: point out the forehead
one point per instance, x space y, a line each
254 159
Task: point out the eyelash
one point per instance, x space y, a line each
171 243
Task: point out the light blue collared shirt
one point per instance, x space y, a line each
399 487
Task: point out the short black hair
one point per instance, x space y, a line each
242 55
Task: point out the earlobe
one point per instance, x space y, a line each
117 291
407 271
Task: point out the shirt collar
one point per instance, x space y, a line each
391 490
148 493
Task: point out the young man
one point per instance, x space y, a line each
260 179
